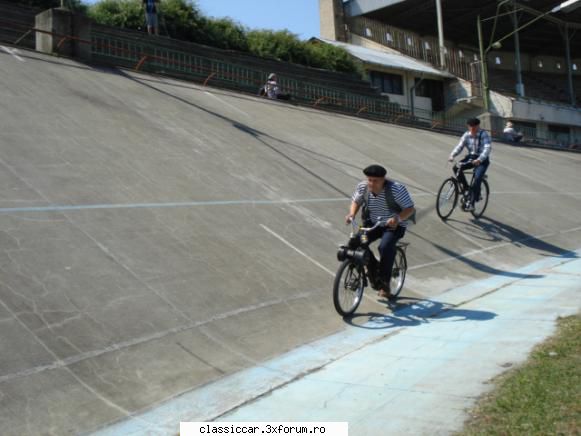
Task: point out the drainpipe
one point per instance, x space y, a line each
441 34
520 88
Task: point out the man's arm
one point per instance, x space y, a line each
393 222
458 148
486 151
352 212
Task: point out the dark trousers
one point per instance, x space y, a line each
387 248
479 172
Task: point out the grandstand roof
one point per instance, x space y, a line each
388 60
542 37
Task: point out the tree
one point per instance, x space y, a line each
75 5
182 19
225 33
118 13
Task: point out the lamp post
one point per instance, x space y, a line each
569 4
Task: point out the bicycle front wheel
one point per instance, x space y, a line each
398 272
482 202
348 287
447 198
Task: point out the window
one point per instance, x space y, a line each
433 89
460 54
388 37
540 63
427 45
558 65
388 83
368 32
574 67
409 40
497 60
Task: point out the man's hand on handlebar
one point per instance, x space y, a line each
476 162
349 219
393 222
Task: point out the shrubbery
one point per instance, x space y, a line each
182 19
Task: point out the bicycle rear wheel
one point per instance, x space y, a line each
447 198
348 287
398 272
480 205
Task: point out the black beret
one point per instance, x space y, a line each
375 171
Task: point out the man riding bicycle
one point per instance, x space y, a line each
477 142
388 202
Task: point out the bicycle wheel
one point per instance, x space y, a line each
398 272
348 288
480 205
447 198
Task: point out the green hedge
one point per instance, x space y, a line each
182 19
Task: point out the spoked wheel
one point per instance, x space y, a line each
447 198
348 288
480 205
398 272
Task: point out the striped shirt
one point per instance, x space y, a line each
479 144
378 210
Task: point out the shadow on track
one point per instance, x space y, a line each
409 312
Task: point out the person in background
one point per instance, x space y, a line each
150 7
272 89
511 134
477 143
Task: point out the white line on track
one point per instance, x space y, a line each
226 103
12 51
302 253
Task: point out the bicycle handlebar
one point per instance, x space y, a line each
367 229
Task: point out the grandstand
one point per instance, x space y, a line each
543 95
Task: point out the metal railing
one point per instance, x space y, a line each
142 54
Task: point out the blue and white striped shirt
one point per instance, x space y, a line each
479 144
378 205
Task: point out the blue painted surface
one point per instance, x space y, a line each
415 379
66 208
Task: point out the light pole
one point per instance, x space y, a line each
497 44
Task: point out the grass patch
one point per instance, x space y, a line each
542 397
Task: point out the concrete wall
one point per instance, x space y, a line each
455 90
332 20
531 63
55 24
532 111
555 114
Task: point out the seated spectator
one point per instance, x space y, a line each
510 134
272 90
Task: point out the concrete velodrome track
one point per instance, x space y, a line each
157 236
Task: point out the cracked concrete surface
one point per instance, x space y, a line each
104 310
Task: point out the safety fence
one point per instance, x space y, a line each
142 55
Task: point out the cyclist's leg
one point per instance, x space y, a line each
460 171
373 262
387 248
479 172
